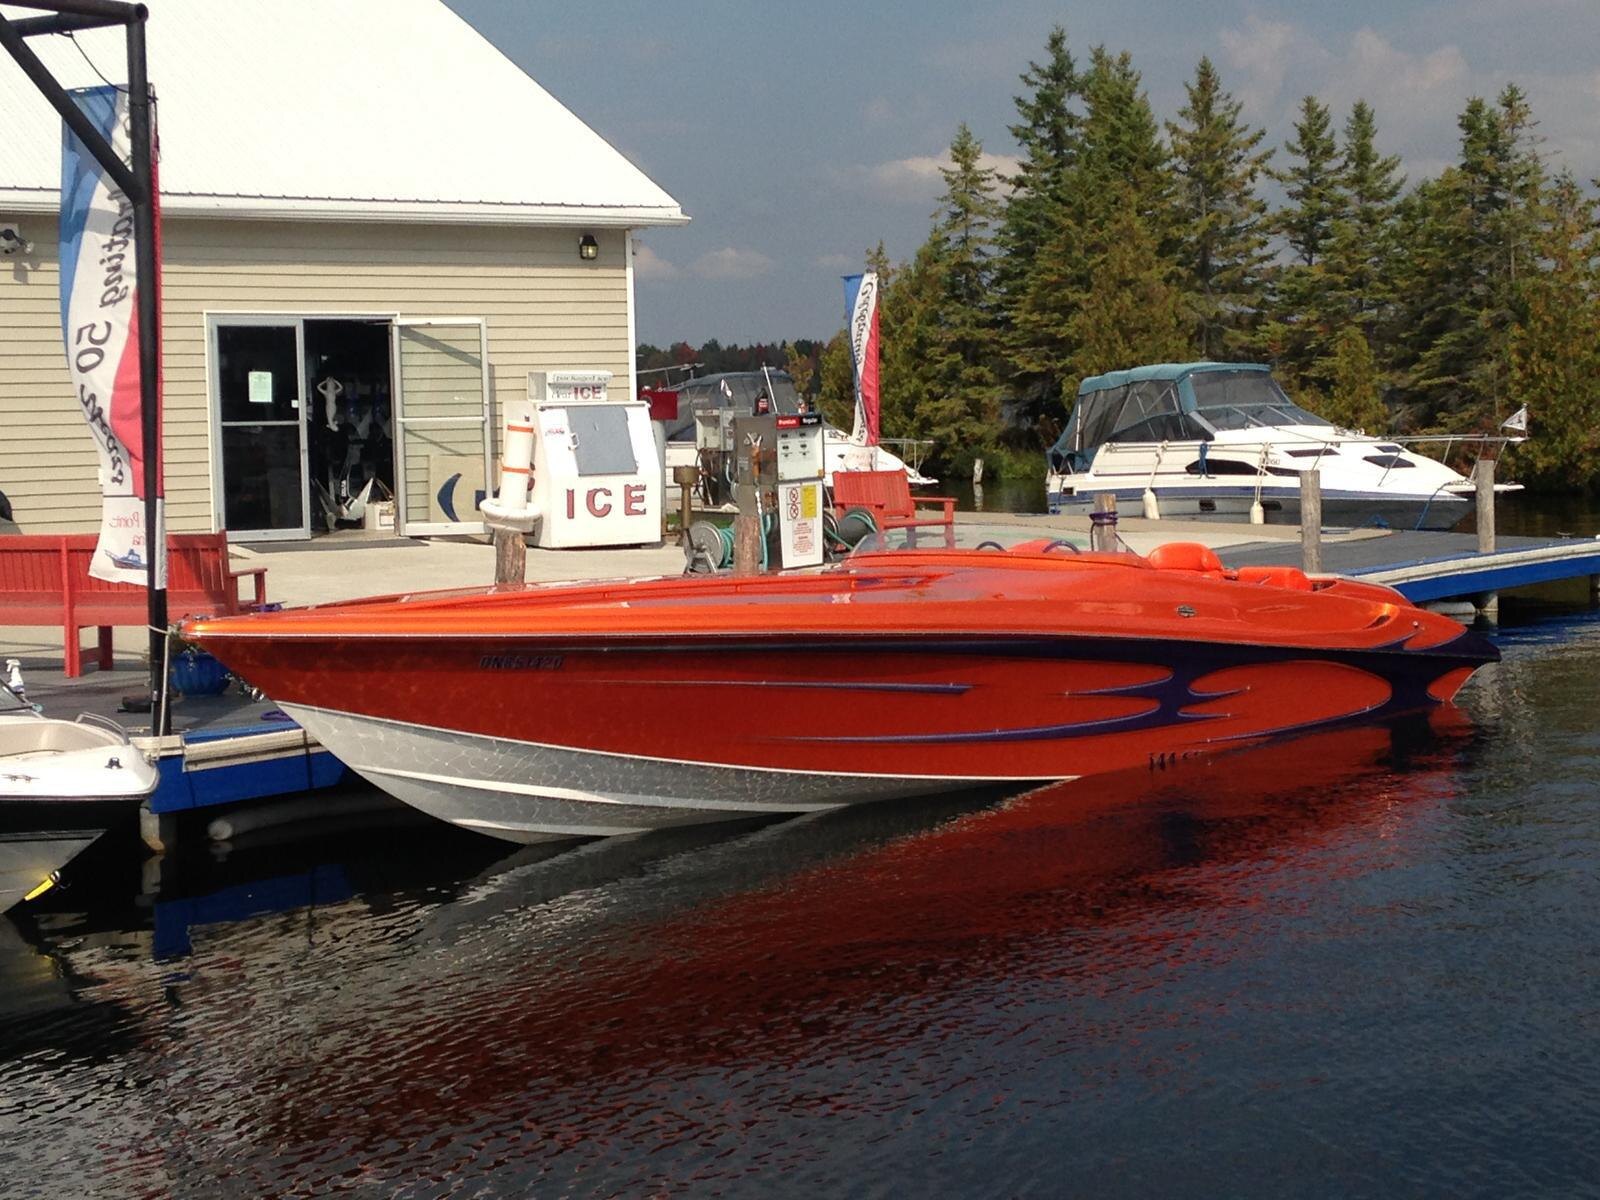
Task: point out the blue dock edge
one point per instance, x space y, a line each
1460 577
205 768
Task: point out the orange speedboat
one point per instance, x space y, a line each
531 712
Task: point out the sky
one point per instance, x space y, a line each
798 136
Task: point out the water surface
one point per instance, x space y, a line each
1361 963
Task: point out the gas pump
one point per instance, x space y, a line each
778 472
799 500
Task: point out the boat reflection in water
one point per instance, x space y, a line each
595 1016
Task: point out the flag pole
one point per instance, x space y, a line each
149 314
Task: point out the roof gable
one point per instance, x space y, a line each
363 109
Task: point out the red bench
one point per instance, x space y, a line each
44 578
887 496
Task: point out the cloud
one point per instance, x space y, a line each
729 263
1263 50
648 265
917 180
1415 95
839 262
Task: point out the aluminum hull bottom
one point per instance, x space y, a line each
531 792
1282 507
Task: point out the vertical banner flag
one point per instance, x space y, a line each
861 311
100 323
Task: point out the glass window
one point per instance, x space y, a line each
1163 427
1097 416
1246 399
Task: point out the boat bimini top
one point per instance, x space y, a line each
1172 402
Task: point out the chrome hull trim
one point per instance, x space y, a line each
529 792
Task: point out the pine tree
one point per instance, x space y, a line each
1312 183
946 346
1222 239
1120 170
836 389
1121 158
1361 253
1555 347
1132 313
1303 321
1465 236
1354 398
1048 138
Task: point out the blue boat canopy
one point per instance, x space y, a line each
1160 372
1172 402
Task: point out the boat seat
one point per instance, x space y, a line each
1185 556
1292 578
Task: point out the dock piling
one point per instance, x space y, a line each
1483 476
510 555
1103 523
1311 522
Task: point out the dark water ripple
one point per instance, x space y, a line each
1363 963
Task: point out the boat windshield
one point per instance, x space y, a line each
1245 400
972 537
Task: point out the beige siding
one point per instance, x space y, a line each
545 310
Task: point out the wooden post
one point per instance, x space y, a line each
510 556
1311 522
1484 477
746 544
1103 523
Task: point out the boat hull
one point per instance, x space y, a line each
1280 506
526 738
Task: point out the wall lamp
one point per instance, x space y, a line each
12 241
588 248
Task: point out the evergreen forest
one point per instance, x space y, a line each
1439 306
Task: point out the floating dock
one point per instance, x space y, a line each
1424 567
223 749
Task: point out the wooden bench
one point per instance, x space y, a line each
44 579
887 496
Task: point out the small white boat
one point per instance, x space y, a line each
1220 441
61 783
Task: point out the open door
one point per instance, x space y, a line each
441 416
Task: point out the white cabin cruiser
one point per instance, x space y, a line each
1210 441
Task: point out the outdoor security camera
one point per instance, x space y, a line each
12 242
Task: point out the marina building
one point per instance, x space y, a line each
374 225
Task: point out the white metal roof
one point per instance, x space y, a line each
333 109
